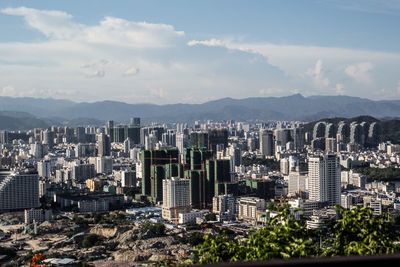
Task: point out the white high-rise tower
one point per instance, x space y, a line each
324 179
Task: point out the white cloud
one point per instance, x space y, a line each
58 25
360 72
96 74
272 91
212 43
339 88
293 59
158 92
131 71
8 91
52 23
318 75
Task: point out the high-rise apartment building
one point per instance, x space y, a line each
297 183
224 204
176 198
18 190
324 179
44 168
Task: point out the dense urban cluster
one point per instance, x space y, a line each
180 193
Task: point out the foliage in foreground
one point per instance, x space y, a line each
356 232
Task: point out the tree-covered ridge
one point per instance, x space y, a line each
380 174
355 232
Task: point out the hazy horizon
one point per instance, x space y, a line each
188 103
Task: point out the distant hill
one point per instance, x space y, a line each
15 120
10 120
294 107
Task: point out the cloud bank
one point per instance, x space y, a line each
138 61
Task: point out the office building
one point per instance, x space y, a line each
266 143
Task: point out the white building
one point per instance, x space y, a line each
44 168
102 164
176 198
375 205
320 218
346 200
284 164
324 179
38 150
189 217
305 205
297 183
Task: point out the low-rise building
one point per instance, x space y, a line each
37 215
248 207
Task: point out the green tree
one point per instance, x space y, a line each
282 237
355 232
211 217
219 248
90 240
149 230
359 232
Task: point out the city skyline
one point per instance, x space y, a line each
175 52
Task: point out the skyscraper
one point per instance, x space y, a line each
156 166
135 121
298 138
266 143
48 138
103 145
127 145
18 190
324 179
110 130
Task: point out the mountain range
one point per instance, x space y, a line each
47 111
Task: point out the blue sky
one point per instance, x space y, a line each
194 51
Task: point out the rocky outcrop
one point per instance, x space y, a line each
107 232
